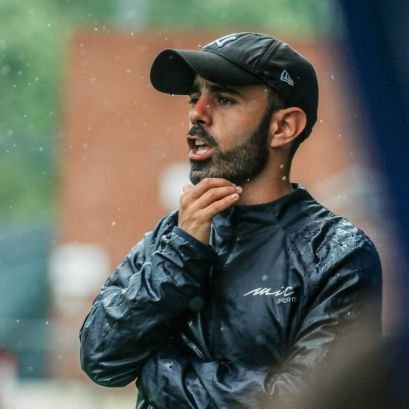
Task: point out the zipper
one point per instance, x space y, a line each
221 262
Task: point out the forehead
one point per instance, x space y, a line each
200 84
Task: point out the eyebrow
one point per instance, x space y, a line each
212 87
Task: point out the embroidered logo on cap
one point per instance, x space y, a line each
285 76
220 42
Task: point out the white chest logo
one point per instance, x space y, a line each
282 296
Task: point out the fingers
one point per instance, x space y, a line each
218 197
216 193
206 184
200 203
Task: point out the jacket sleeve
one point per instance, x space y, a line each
130 318
346 308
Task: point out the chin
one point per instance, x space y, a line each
196 176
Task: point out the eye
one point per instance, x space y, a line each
193 100
222 100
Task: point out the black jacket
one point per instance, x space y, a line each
242 322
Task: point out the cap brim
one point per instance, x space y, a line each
173 71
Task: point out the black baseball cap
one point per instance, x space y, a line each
241 59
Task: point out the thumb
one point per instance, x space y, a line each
187 188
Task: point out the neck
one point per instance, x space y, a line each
271 184
260 191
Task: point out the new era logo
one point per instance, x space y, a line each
285 76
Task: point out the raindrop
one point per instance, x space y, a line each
265 277
113 223
284 178
332 77
282 166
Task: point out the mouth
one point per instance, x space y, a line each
198 149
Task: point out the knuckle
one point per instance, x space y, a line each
211 194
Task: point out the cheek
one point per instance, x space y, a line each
234 132
254 107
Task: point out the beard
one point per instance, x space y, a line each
239 164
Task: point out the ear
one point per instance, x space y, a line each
286 124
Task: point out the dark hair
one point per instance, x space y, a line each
277 102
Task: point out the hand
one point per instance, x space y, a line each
200 203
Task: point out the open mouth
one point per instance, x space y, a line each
198 149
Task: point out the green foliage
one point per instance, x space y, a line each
289 17
33 42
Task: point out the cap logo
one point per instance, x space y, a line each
285 76
220 42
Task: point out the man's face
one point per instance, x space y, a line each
228 137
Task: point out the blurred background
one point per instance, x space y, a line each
91 156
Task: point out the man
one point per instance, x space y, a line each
241 296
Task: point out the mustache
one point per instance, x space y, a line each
198 131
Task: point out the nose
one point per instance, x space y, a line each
201 112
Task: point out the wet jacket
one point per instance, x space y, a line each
240 323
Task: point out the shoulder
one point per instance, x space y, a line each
328 239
